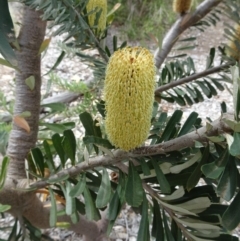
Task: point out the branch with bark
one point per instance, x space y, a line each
188 140
184 22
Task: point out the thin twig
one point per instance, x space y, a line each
180 26
192 77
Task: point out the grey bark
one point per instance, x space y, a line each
29 62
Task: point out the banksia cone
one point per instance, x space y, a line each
100 5
129 95
233 49
181 6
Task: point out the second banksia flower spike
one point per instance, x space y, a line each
233 49
181 6
100 5
129 95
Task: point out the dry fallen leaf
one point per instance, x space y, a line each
21 122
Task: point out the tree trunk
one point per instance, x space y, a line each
29 63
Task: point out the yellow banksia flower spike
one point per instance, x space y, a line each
100 5
181 6
129 96
233 47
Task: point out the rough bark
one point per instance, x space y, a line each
29 62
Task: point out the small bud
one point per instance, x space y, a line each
129 95
181 6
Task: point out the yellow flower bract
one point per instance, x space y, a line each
181 6
233 48
129 95
100 5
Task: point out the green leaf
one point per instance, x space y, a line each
4 208
216 139
53 209
114 207
228 182
157 225
178 168
6 63
3 172
70 201
57 143
234 125
58 128
64 225
44 45
204 88
49 156
69 145
164 185
25 114
101 108
143 232
6 33
173 121
188 125
199 95
97 141
30 82
217 84
194 178
134 190
38 159
231 216
88 124
58 61
55 106
236 90
91 211
214 169
54 179
169 235
104 192
79 187
234 148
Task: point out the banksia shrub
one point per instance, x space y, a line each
181 6
101 5
233 49
129 95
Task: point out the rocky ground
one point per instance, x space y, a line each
74 69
